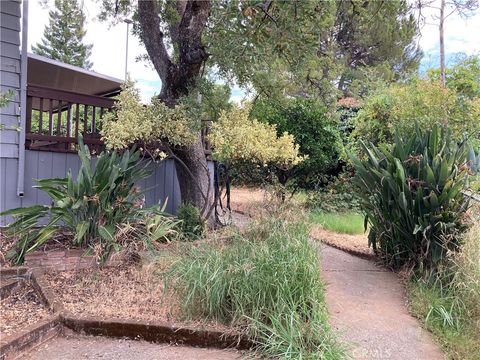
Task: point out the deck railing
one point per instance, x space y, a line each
56 118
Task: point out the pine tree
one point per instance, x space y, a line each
63 37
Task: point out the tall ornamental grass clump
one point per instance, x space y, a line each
450 306
269 286
411 195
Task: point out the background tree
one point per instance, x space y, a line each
63 36
445 8
376 35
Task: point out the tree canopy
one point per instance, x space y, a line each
63 36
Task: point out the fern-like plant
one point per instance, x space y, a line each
411 195
98 207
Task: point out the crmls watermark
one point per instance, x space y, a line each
380 354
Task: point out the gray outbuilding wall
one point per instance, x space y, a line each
161 186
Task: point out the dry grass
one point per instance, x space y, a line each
20 309
127 292
248 201
356 243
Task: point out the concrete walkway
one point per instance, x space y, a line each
99 348
367 306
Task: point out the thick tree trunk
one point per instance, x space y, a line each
194 178
442 44
177 75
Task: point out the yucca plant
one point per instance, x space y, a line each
411 195
102 203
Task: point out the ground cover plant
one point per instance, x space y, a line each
450 306
267 283
346 222
100 209
411 195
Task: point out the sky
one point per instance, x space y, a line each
109 44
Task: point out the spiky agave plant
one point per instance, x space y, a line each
411 195
93 207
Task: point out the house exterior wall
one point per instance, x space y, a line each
10 77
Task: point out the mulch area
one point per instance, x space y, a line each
125 292
355 244
20 309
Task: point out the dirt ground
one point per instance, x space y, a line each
20 309
86 347
131 292
354 243
247 201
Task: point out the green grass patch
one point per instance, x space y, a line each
344 223
267 284
444 315
450 305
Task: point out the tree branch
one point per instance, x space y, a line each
152 37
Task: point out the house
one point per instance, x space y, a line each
52 104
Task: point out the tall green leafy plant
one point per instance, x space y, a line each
411 195
96 207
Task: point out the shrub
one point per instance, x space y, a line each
450 306
338 196
399 106
101 208
411 195
315 130
269 285
192 224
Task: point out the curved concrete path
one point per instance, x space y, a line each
100 348
367 306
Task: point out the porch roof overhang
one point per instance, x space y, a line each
48 73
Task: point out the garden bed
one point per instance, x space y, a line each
21 308
123 292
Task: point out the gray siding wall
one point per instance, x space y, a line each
10 78
161 186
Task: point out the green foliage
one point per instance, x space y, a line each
338 195
192 224
101 208
375 40
236 138
315 131
463 77
155 123
346 222
450 306
63 37
207 99
5 98
268 284
401 106
411 195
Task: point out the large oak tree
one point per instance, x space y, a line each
274 46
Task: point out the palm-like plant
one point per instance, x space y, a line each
411 195
94 207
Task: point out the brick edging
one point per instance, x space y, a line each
157 333
32 335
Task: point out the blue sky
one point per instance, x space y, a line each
108 55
